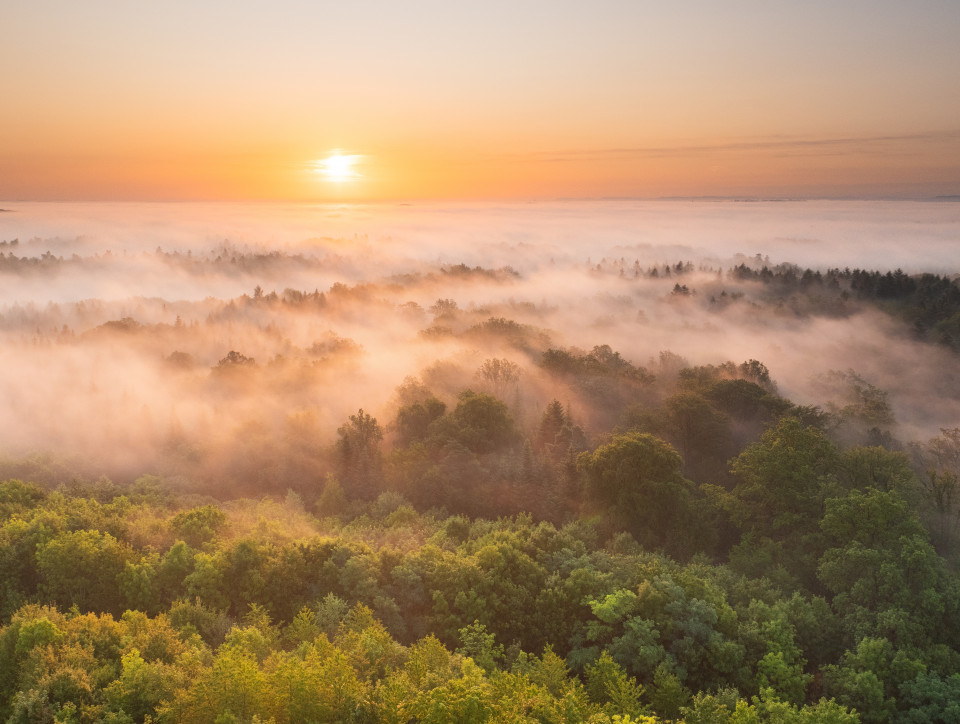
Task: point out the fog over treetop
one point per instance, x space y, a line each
914 236
122 317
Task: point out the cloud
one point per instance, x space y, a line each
776 146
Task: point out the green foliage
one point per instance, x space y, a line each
332 500
552 423
604 379
196 619
414 420
931 697
638 476
885 575
557 436
81 568
879 468
668 695
18 497
481 423
607 684
480 646
784 480
199 525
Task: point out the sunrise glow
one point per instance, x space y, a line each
338 167
577 100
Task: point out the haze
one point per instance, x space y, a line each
117 319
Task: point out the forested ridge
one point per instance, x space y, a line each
710 552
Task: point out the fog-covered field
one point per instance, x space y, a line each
117 320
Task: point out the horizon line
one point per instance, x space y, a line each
409 201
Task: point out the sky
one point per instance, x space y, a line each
518 99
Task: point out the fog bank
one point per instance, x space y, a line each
117 320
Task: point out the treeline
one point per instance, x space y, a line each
229 260
929 303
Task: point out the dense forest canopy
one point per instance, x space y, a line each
593 485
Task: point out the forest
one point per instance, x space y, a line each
553 488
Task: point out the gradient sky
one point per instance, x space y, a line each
113 99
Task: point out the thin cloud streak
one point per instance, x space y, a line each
847 144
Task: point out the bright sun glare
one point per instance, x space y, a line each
338 166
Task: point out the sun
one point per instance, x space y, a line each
338 167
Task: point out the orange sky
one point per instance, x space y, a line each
108 99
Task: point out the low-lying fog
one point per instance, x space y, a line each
114 318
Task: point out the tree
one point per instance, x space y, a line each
500 375
413 420
931 697
938 466
885 575
18 497
82 568
480 646
141 687
638 476
482 423
701 434
863 679
784 480
444 308
610 686
235 360
233 689
199 525
879 468
551 426
860 406
358 451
